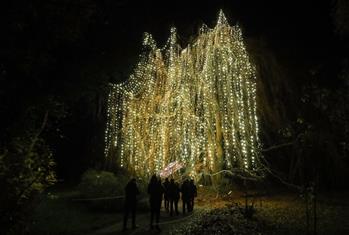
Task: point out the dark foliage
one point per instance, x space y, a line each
105 191
26 169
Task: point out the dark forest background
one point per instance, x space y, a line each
57 58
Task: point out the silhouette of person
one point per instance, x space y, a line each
166 196
130 204
155 191
192 194
185 195
173 196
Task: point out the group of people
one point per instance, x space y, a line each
172 195
169 190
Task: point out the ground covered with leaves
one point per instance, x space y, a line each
286 214
274 214
220 221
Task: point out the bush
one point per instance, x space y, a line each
106 191
101 185
96 184
26 170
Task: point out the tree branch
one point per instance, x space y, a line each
278 146
36 136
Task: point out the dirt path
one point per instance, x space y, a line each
166 223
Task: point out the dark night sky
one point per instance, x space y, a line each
297 28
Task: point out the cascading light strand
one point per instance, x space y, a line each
196 105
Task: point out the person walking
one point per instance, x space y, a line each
155 191
192 194
174 195
166 194
185 195
130 203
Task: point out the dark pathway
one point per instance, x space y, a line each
167 222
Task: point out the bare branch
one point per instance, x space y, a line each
36 137
278 146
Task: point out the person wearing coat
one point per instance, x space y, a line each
185 195
174 195
166 197
130 203
192 194
155 191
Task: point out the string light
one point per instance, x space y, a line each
196 106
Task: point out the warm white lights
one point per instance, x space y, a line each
196 106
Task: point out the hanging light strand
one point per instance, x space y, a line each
196 105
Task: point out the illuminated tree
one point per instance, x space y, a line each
195 105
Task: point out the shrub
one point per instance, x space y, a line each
26 169
99 186
106 190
